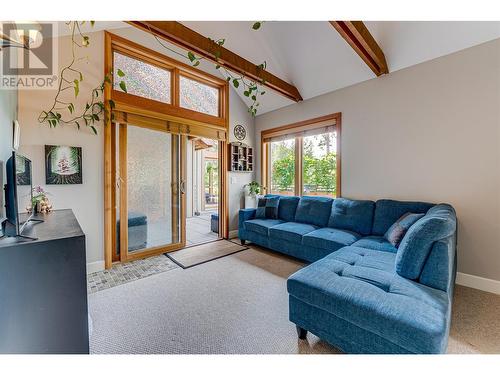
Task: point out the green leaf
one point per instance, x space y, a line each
76 87
262 93
92 23
123 86
107 78
257 25
217 66
246 93
254 97
228 79
191 56
93 129
77 125
111 104
236 84
120 73
95 117
81 76
71 107
197 62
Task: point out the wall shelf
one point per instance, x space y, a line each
240 157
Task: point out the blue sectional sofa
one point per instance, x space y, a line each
361 293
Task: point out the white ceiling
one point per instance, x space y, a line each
312 56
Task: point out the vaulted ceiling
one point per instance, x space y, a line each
313 56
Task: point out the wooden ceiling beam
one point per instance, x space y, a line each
359 38
182 36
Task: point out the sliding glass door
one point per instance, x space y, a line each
151 191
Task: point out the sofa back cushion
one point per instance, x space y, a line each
388 211
353 215
439 223
287 206
314 210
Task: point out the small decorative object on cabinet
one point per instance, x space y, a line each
240 157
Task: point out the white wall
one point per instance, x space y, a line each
238 114
87 200
429 132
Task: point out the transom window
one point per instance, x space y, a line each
198 96
142 79
153 82
303 158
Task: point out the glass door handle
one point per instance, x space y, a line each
182 187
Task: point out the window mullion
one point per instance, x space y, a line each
298 166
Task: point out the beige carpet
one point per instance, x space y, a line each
239 304
198 254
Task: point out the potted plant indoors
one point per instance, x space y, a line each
252 191
40 202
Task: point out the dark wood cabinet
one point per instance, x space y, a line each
43 288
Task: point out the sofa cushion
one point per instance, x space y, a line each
397 231
375 243
314 210
361 287
438 223
287 208
291 231
267 208
261 226
330 238
353 215
387 211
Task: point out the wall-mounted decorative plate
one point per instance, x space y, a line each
240 132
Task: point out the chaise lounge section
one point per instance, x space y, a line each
361 293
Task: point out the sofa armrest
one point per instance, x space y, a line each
244 215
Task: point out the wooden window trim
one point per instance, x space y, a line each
335 119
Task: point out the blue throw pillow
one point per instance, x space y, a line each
398 230
267 208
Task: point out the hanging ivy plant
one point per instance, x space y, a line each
252 88
62 111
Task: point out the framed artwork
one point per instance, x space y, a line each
63 165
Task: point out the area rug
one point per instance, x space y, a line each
199 254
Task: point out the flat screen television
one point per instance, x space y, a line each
18 190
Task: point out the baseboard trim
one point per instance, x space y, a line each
477 282
95 266
233 234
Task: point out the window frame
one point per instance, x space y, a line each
127 102
333 119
